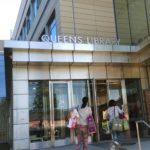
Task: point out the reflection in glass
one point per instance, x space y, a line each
101 102
138 20
39 111
52 29
132 20
122 21
134 103
60 98
80 90
114 91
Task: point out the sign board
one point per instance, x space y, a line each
80 40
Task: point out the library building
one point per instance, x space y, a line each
63 50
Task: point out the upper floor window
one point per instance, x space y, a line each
20 36
43 32
23 33
52 30
29 20
32 12
38 3
35 6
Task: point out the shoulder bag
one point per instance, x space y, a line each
117 124
91 124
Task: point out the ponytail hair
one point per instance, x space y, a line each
84 102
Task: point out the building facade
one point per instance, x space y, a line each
63 50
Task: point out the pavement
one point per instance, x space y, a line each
128 145
125 145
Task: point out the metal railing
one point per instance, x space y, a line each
137 129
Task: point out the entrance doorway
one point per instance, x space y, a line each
105 90
49 105
51 101
59 106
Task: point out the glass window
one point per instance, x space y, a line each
34 7
39 111
60 96
134 103
52 30
29 19
61 105
2 77
114 91
38 3
138 22
20 36
23 33
131 21
101 104
80 90
122 21
43 32
32 12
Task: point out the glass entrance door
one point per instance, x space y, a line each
39 115
101 100
48 108
59 100
104 91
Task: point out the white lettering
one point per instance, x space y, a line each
101 41
72 39
107 42
65 39
80 40
45 38
87 40
59 39
96 41
53 38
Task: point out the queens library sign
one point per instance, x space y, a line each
80 40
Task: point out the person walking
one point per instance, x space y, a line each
112 113
82 128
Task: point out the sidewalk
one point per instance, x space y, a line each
145 145
128 145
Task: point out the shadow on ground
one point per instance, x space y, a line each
106 145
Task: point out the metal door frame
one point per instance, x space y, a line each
52 122
53 142
123 93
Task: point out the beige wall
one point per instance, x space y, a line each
45 71
87 18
